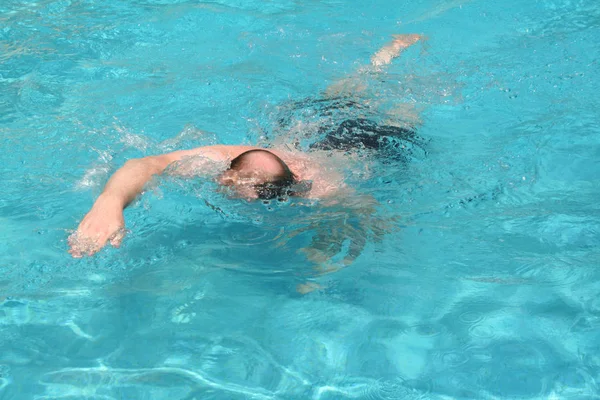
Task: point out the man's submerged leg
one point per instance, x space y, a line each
387 53
352 85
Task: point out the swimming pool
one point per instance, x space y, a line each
488 287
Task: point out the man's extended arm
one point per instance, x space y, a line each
105 222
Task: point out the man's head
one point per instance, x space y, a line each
258 174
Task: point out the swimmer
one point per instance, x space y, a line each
251 173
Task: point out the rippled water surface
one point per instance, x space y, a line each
477 273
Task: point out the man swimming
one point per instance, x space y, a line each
249 172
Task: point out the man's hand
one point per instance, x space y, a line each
102 224
343 229
105 220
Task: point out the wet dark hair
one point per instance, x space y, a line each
278 185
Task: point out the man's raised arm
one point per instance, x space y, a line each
105 222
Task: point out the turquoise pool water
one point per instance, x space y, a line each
486 285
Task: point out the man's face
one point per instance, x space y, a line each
242 186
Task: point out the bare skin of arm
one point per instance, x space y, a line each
104 222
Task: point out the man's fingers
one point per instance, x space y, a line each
116 241
82 245
74 245
75 253
117 237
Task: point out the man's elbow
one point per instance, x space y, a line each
151 164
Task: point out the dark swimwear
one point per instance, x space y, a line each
391 142
355 134
341 131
